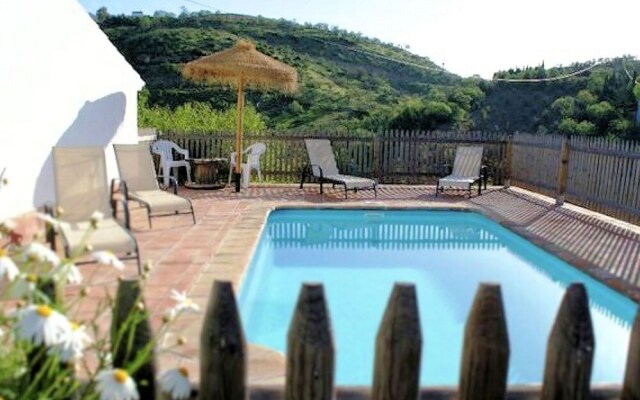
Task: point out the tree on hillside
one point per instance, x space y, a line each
102 14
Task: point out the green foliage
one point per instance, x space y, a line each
565 106
347 81
351 82
197 117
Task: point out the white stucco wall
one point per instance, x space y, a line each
61 83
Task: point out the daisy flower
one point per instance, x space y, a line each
42 324
41 253
176 383
116 384
7 267
73 344
184 303
108 258
68 271
48 219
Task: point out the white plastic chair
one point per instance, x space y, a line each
165 148
253 153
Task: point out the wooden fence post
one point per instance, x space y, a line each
508 162
396 374
223 363
310 350
631 385
377 156
563 170
570 349
131 330
485 353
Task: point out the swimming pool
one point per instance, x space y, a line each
359 254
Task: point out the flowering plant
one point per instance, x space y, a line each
47 350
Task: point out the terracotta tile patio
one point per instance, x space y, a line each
189 257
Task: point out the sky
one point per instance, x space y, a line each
467 37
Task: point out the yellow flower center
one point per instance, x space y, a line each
120 376
33 278
184 372
74 326
4 253
44 311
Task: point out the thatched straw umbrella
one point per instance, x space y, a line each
243 66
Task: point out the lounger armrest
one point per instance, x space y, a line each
319 168
124 188
125 209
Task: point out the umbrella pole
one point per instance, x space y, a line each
240 109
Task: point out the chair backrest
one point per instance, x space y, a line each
254 152
468 161
136 166
165 149
321 154
80 175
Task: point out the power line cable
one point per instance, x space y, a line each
202 5
355 50
555 78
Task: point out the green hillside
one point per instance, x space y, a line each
351 82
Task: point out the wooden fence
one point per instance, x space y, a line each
310 357
390 157
596 173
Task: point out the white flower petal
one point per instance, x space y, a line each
8 268
41 253
108 258
40 324
68 272
176 383
116 384
73 345
183 302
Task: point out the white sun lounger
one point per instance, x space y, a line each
322 166
139 183
467 170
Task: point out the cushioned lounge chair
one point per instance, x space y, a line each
467 171
323 167
139 183
82 188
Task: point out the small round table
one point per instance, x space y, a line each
207 173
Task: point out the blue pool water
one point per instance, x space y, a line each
359 254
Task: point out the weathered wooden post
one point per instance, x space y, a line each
310 350
396 374
563 170
508 161
485 353
631 385
223 361
377 159
131 333
570 349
